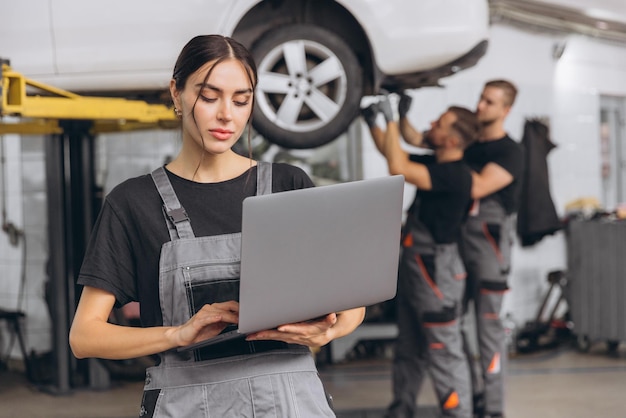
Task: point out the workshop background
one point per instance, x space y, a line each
571 76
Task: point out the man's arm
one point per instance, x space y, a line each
388 143
411 135
369 115
491 179
399 162
379 138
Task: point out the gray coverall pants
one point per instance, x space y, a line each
486 250
256 379
430 290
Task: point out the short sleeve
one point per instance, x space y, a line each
289 177
108 263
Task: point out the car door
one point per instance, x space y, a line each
125 37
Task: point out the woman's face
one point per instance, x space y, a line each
221 105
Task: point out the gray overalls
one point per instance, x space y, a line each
242 379
431 283
487 238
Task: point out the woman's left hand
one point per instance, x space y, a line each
313 333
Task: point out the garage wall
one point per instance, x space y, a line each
11 253
23 262
23 274
567 91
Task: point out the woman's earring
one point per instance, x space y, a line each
178 112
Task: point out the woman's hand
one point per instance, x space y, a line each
208 322
316 332
313 333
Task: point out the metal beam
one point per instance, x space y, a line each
57 262
73 204
41 106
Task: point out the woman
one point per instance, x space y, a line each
170 241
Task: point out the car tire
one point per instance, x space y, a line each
311 101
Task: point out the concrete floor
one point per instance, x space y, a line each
556 383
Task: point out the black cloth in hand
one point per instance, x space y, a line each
369 114
404 105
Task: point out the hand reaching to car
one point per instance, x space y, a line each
404 105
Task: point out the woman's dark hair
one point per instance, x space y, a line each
205 48
466 125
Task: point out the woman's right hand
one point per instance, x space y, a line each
208 322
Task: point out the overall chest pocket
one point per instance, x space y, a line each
210 283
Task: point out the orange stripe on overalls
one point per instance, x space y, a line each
427 277
408 240
494 366
452 401
493 242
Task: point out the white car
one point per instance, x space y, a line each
316 58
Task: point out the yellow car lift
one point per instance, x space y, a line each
40 107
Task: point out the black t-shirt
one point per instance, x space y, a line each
122 256
444 208
508 154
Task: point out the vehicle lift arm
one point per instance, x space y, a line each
41 112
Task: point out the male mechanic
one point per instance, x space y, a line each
431 278
487 237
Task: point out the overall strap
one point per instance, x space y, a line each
178 223
263 178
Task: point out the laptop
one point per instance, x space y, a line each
309 252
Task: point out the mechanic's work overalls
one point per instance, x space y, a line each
240 379
486 249
430 290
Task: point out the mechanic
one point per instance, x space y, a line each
431 276
487 237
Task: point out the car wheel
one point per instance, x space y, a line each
309 88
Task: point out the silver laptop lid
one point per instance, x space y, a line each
309 252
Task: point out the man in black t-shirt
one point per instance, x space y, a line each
487 239
487 236
431 278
